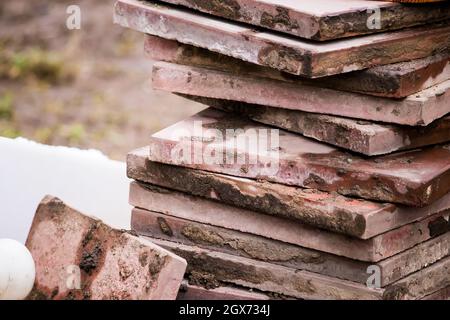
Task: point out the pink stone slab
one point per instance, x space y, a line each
217 214
419 109
365 137
294 56
319 19
443 294
330 211
303 284
192 292
397 80
417 177
112 264
217 267
161 226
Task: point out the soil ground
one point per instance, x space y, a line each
86 88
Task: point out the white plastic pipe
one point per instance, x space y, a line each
17 270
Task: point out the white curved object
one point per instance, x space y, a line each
17 270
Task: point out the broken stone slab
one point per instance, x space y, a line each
217 267
296 56
330 211
323 19
79 257
215 141
214 268
417 110
160 226
443 294
397 80
193 292
365 137
217 214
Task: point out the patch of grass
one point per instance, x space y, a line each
45 134
6 106
75 133
9 130
45 66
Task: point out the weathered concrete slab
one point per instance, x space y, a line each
443 294
320 20
217 214
193 292
213 268
294 56
365 137
78 257
330 211
397 80
224 143
160 226
419 109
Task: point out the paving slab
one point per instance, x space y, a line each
79 257
443 294
193 292
217 214
214 268
417 110
220 142
330 211
365 137
397 80
322 19
296 56
160 226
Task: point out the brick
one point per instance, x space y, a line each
365 137
355 217
416 178
112 264
294 56
161 226
420 109
192 292
215 268
217 214
397 80
319 20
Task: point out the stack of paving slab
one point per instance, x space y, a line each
351 197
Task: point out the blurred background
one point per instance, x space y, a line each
86 88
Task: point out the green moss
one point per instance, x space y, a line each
6 106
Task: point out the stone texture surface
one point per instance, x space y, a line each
443 294
160 226
397 80
319 20
419 109
330 211
284 53
192 292
214 268
112 264
365 137
211 269
204 141
217 214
